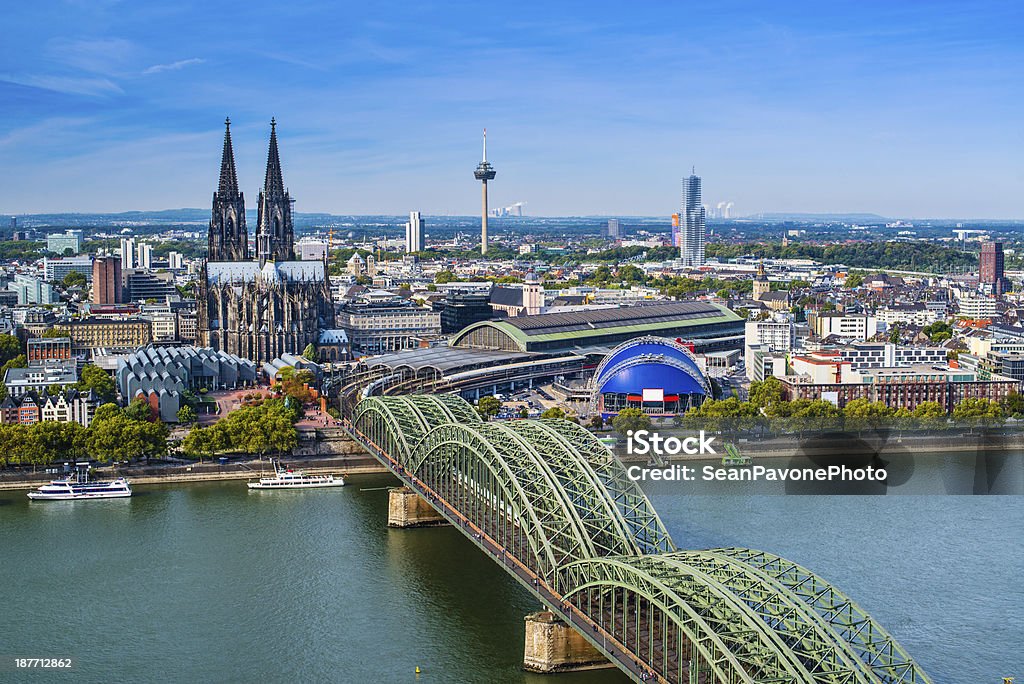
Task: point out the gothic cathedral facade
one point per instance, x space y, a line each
271 305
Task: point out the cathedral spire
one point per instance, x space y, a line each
273 184
228 177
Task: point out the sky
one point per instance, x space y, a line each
905 109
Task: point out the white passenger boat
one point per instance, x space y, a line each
286 478
78 486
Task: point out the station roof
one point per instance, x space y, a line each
445 359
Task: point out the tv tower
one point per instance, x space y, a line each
484 172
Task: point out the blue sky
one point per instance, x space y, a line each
908 109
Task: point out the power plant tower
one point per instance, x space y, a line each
484 172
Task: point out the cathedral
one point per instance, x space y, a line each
261 306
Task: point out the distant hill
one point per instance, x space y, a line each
842 218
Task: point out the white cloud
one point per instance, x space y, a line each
173 66
67 84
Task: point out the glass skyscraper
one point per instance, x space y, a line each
691 248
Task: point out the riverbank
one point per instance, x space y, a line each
201 472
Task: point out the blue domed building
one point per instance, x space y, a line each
657 375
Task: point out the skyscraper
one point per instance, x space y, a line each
692 249
484 172
127 252
992 277
614 229
145 255
106 280
414 233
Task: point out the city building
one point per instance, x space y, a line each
828 377
761 284
912 313
613 230
978 307
376 327
762 362
160 375
144 286
164 323
18 381
122 333
659 376
356 265
106 280
850 326
44 350
128 253
776 335
992 276
711 327
32 290
460 309
863 355
56 270
175 261
145 260
1001 363
692 249
60 243
484 172
271 306
414 233
68 406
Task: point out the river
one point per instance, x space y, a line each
212 583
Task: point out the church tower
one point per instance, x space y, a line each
275 233
761 284
228 238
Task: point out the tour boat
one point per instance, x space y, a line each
76 487
286 478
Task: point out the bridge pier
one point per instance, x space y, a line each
554 646
406 508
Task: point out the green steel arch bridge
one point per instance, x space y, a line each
552 505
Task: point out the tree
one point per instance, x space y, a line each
596 422
309 353
96 379
50 333
766 393
10 347
631 419
978 411
1013 405
187 415
120 438
553 413
488 407
524 413
854 280
445 276
894 334
74 278
138 409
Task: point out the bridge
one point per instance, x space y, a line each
550 504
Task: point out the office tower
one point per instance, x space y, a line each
692 249
992 277
414 233
675 231
614 229
127 253
106 280
228 237
175 261
484 172
145 259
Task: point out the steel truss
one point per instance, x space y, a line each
555 500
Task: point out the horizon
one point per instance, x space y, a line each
592 110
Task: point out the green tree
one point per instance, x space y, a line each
309 353
121 438
186 415
446 276
138 409
977 411
75 278
50 333
524 413
631 419
854 280
1013 405
488 407
10 347
553 412
894 334
94 378
596 422
766 393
